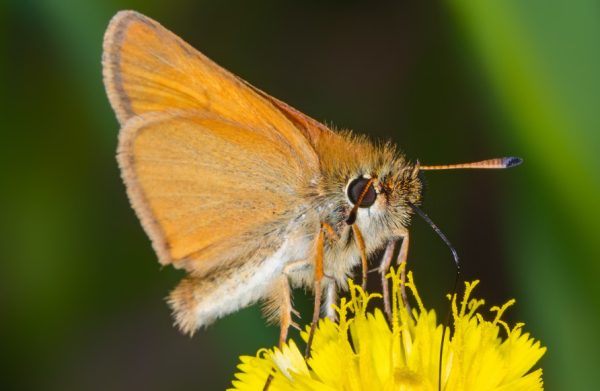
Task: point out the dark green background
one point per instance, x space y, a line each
81 293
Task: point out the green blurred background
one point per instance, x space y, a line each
81 293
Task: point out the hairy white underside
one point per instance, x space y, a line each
248 284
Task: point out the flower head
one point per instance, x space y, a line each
363 352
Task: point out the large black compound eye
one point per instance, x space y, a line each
356 188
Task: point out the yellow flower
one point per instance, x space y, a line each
363 352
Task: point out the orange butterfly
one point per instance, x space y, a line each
245 193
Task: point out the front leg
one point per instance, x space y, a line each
360 243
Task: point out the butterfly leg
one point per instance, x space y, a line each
402 259
330 299
384 266
360 242
285 316
318 267
278 305
285 310
281 300
331 288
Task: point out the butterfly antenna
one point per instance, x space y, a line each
489 164
456 279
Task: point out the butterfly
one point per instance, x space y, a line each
246 194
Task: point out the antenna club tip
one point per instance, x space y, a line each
511 161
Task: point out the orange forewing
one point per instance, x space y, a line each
147 68
311 128
209 161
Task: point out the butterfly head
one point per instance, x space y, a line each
372 186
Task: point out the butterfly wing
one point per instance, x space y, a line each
312 129
209 164
200 192
147 68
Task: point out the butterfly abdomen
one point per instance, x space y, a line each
200 300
